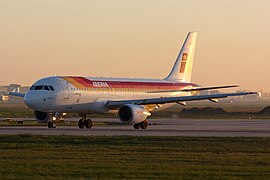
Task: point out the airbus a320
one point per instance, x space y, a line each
131 99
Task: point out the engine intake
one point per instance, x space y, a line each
41 116
132 114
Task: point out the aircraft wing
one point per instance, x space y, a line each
16 94
194 89
111 104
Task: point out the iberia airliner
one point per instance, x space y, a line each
132 100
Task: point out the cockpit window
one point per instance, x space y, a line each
42 87
46 88
51 88
39 88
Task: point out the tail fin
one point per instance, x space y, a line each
182 68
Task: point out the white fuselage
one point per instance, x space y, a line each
90 95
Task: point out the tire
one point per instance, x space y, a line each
88 123
53 125
143 124
81 124
137 126
50 124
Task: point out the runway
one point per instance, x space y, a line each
159 127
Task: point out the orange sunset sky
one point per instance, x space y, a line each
135 38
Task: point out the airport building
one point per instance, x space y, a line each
4 98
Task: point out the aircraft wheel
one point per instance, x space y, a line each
88 123
136 126
143 124
81 124
50 125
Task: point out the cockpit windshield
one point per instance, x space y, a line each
39 87
42 87
51 88
46 88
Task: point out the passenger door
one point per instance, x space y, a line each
65 86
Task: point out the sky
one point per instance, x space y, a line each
135 38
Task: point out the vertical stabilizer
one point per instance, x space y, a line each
182 68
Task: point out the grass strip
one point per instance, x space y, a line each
125 157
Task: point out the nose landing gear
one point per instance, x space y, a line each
51 125
52 120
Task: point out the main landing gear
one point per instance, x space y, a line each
142 125
85 123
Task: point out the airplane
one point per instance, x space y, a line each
131 99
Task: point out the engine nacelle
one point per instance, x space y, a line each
44 116
132 114
41 116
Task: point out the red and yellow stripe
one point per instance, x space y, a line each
82 82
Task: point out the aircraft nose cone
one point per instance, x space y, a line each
30 100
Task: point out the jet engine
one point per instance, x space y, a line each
132 114
41 116
44 116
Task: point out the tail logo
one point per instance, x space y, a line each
183 63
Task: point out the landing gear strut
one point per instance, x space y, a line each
142 125
52 120
85 122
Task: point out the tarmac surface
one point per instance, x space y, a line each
156 127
